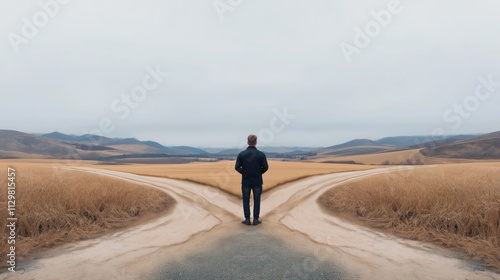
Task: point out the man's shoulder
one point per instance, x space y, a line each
242 153
261 153
251 150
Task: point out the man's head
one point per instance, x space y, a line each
252 140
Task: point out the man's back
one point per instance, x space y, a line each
251 164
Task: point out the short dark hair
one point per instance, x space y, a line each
252 140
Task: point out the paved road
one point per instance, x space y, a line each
253 252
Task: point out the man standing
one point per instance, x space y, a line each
251 164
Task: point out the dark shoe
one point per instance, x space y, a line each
257 222
246 222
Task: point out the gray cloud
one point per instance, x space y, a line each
226 77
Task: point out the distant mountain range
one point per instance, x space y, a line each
55 145
485 146
366 146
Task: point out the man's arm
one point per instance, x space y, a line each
264 166
238 167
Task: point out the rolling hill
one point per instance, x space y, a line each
125 145
15 144
418 141
486 146
387 144
56 145
355 147
95 140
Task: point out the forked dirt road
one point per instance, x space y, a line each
203 238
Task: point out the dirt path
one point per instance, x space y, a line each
202 237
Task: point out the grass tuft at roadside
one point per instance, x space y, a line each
54 206
456 206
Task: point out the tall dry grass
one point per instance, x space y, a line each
55 206
455 205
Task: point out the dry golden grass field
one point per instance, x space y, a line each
454 205
55 206
223 176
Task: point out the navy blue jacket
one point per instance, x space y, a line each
251 164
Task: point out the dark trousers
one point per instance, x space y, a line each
257 191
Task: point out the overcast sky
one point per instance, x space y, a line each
208 73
